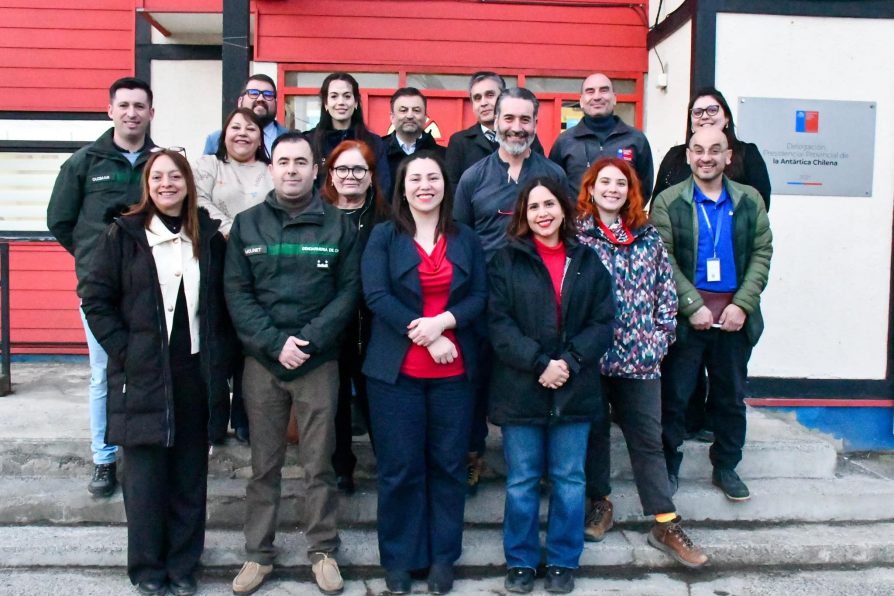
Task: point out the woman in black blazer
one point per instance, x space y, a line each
424 281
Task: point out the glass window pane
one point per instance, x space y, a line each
447 82
366 80
26 181
572 114
553 85
302 111
624 86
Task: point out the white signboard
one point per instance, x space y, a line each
810 146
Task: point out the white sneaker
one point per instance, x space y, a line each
327 575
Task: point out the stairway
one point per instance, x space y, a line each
811 511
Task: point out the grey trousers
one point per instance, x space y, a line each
268 402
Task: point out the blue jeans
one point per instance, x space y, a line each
421 428
98 394
559 449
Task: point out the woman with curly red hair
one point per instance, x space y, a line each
611 220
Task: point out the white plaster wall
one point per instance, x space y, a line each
826 306
53 130
665 109
667 7
187 103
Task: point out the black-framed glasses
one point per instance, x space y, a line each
711 110
255 93
180 150
357 172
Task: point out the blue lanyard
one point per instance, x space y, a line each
711 229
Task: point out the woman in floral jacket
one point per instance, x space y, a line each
612 222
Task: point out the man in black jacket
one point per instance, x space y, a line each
601 134
468 147
292 281
408 117
103 176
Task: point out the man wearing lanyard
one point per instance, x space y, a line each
719 242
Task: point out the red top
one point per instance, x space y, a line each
435 275
554 259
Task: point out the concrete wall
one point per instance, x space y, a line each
826 306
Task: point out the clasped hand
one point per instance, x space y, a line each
291 356
555 375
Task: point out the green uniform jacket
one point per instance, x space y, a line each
94 182
292 276
674 214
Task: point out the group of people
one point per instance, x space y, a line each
287 276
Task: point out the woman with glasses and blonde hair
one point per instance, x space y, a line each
154 300
351 184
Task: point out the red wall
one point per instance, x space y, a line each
460 33
61 56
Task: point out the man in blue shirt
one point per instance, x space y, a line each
259 96
719 243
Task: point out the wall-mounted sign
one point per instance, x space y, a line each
812 147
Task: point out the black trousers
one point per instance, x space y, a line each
636 408
351 387
725 355
238 418
165 489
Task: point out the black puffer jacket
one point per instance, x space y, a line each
525 335
123 304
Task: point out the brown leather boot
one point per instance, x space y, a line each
599 519
671 538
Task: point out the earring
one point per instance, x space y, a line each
592 198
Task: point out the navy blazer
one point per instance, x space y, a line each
390 273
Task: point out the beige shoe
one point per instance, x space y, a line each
250 577
599 519
327 575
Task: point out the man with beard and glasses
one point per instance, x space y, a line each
484 201
260 97
601 134
408 117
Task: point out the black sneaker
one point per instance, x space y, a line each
345 484
398 582
519 580
104 480
440 578
559 580
731 485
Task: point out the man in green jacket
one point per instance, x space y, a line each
718 238
292 282
98 179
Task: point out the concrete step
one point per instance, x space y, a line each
788 546
851 497
774 449
113 582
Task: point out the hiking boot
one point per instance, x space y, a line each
599 520
326 574
559 580
104 480
519 580
250 577
670 538
730 483
473 477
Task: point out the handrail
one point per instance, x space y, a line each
5 371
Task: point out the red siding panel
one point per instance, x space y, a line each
43 305
68 56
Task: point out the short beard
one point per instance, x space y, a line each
514 149
266 118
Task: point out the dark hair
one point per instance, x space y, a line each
517 93
190 205
408 92
737 166
484 75
260 153
400 208
518 223
130 83
293 136
361 133
632 212
263 78
328 191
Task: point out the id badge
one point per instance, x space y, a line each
713 272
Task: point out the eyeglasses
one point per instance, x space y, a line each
180 150
357 172
711 110
255 93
